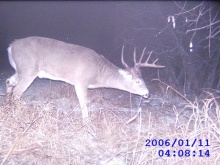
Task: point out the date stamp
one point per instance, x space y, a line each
189 144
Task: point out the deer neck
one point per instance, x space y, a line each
117 79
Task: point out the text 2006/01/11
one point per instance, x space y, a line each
189 147
177 142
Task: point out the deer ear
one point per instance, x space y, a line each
136 71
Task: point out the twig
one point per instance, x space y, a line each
203 27
168 86
134 117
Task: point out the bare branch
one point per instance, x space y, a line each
196 29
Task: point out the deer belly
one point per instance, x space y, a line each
43 74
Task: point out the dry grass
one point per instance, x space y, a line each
51 133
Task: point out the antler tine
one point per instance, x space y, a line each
134 56
155 60
142 55
153 65
148 57
122 59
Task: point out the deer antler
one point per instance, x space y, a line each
122 59
145 64
137 65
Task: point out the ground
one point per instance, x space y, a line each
46 127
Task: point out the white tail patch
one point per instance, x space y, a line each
11 61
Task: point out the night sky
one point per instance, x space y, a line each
101 26
106 26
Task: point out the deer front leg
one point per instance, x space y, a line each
81 92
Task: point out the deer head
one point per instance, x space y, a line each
138 86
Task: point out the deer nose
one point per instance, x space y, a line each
146 95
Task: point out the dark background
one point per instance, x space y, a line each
106 26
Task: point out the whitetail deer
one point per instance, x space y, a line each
82 67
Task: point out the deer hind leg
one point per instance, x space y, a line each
81 92
11 83
24 81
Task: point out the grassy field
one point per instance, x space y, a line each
45 127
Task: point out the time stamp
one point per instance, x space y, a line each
189 144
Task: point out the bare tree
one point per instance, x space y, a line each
201 22
184 35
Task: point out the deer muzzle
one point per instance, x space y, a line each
146 94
